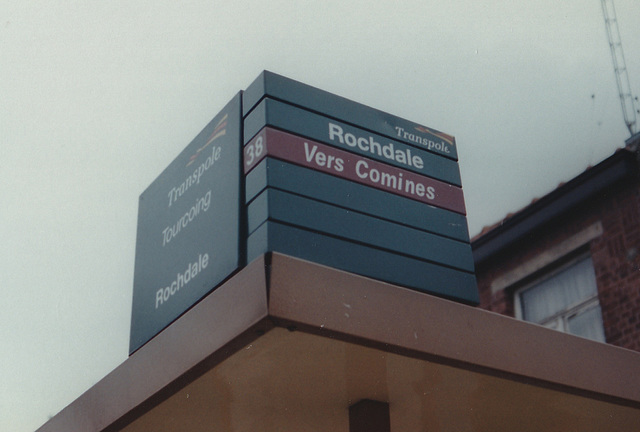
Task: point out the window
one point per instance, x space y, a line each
565 300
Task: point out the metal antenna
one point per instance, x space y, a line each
619 66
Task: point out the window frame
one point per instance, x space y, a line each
564 315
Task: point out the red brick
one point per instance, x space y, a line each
617 276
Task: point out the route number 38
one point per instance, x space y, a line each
253 151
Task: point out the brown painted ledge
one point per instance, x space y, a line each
335 307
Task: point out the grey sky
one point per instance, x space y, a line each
96 98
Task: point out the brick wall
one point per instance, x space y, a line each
615 254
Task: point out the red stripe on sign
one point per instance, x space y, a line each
320 157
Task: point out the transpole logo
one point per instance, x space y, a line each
443 136
218 131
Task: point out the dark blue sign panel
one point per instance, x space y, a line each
188 237
341 135
314 99
364 260
349 195
290 209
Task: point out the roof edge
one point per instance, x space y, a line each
620 166
337 303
